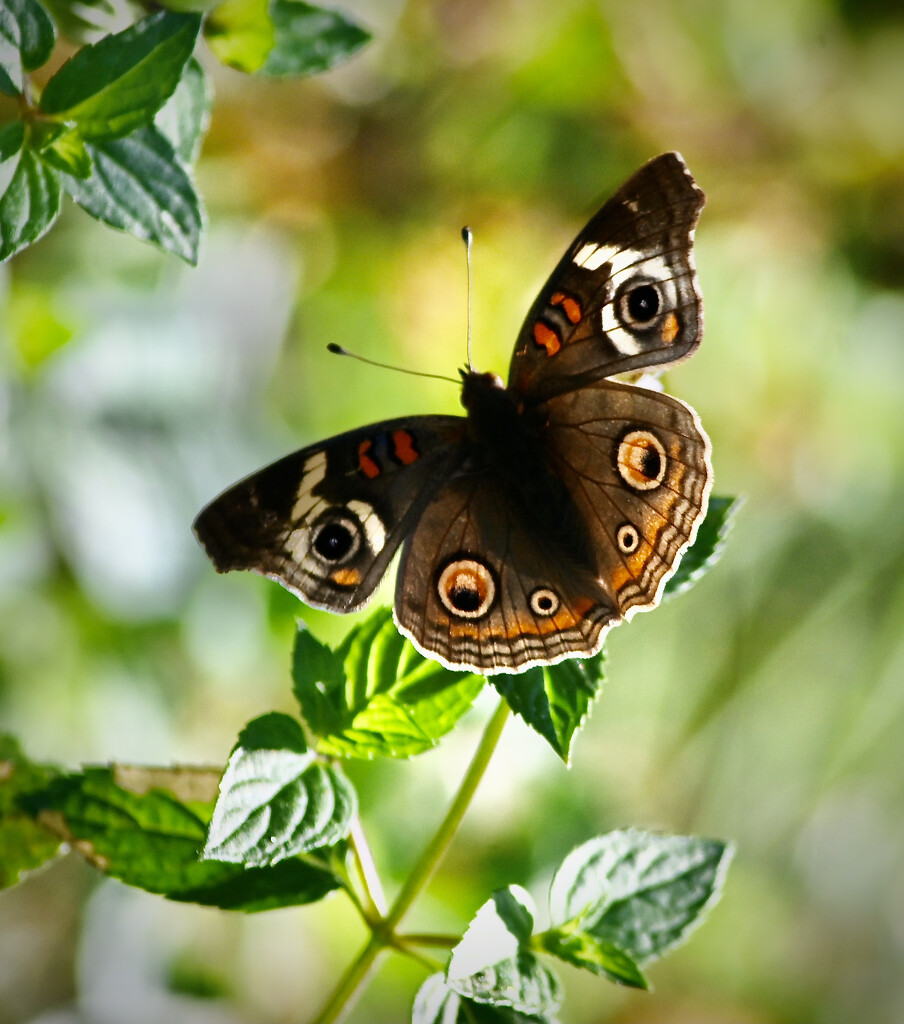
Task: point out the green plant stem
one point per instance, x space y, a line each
352 981
367 871
430 858
383 932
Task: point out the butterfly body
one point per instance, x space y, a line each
555 508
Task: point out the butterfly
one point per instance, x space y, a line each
560 503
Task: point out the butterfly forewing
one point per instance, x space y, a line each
624 296
326 520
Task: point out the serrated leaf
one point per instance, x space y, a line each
575 946
308 39
67 152
708 545
276 800
29 203
184 118
240 33
117 85
436 1003
150 839
27 36
493 962
554 699
640 891
376 696
24 844
138 185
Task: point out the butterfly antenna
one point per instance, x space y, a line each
467 237
338 350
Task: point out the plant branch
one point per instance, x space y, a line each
367 870
383 934
352 981
430 858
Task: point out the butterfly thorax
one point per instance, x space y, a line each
507 445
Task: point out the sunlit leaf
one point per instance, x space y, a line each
67 152
118 84
376 696
27 36
581 949
149 838
240 33
639 891
138 185
277 800
184 118
30 201
436 1003
554 700
494 964
308 39
24 843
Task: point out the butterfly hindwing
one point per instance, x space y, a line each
624 296
325 521
478 587
637 466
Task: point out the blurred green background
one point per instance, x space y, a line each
766 706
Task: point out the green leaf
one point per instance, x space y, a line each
27 36
309 39
493 962
24 844
554 699
12 139
708 545
78 22
639 891
117 85
276 800
184 118
436 1003
138 185
376 696
30 198
147 827
67 152
575 946
240 33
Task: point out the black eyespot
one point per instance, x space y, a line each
651 463
333 542
545 602
465 599
643 303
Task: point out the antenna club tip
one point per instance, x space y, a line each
467 235
337 350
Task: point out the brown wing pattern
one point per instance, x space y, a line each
624 296
637 466
477 590
325 521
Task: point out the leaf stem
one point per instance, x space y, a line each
383 933
430 858
352 981
367 870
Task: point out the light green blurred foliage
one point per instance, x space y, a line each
765 706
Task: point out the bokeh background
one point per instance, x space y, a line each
765 706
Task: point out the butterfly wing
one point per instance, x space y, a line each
326 520
478 588
637 466
624 296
